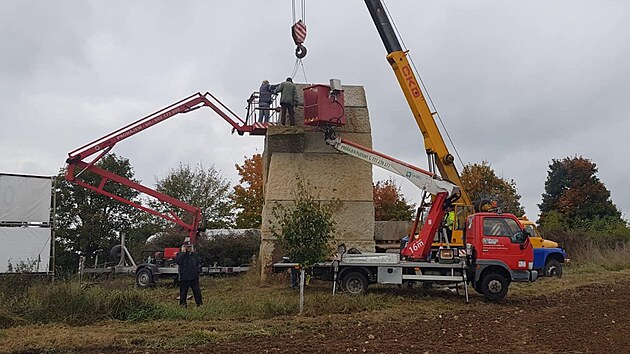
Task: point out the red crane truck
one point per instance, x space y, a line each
497 250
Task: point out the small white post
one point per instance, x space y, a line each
121 263
302 289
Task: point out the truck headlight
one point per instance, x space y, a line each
530 265
522 264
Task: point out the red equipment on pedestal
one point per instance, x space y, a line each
324 106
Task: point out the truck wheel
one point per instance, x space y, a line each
144 278
553 268
355 283
494 286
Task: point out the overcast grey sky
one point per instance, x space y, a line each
518 83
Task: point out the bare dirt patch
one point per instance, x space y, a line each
590 319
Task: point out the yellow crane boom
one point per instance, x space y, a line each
397 58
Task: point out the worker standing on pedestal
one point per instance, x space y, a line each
288 99
265 99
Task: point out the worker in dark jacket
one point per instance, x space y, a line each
188 262
265 99
288 100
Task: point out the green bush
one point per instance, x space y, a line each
304 229
231 248
593 257
601 246
69 303
9 319
225 247
15 285
576 240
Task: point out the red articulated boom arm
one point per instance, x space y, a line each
77 158
445 192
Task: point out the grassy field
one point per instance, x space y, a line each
114 315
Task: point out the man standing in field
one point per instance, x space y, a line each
188 262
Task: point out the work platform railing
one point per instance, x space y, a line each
256 113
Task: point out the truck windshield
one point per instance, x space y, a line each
461 213
532 230
502 227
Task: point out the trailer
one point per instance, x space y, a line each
159 265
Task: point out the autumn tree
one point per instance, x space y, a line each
305 229
248 195
389 203
199 186
482 183
575 197
87 221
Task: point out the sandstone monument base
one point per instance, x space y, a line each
300 151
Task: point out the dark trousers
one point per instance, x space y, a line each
183 291
263 113
283 113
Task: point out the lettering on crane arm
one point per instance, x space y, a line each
411 81
416 245
149 123
365 156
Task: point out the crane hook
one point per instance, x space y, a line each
298 32
300 51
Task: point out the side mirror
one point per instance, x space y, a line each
527 233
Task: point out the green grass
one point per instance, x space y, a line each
594 258
235 298
230 298
67 315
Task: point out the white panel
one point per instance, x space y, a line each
24 245
24 198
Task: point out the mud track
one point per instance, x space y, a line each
594 318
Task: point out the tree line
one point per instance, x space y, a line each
574 199
576 206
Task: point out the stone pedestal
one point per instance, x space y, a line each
301 151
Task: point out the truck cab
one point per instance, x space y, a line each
500 253
549 257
